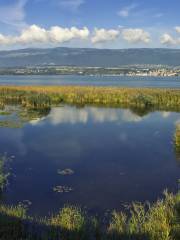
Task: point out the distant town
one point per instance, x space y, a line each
134 70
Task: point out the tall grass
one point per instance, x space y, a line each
45 96
159 221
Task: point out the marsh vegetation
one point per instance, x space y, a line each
160 220
40 97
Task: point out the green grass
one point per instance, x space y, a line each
159 221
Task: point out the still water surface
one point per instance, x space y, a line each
123 81
117 157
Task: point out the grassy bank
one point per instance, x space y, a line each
42 97
160 221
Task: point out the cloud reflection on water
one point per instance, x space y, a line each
72 115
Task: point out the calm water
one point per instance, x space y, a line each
168 82
117 157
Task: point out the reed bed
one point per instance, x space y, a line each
44 96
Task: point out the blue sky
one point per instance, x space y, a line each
89 23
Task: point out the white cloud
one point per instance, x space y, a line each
125 12
35 34
167 39
104 35
135 35
14 14
59 34
32 34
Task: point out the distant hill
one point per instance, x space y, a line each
89 57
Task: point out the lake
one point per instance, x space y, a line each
122 81
114 156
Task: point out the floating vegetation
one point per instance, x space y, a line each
65 172
62 189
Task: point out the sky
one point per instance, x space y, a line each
89 23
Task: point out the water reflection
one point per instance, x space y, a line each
116 156
72 115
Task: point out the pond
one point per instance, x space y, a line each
95 157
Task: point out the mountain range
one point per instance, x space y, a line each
89 57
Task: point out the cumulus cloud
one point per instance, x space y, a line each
167 39
135 35
35 34
104 35
59 34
